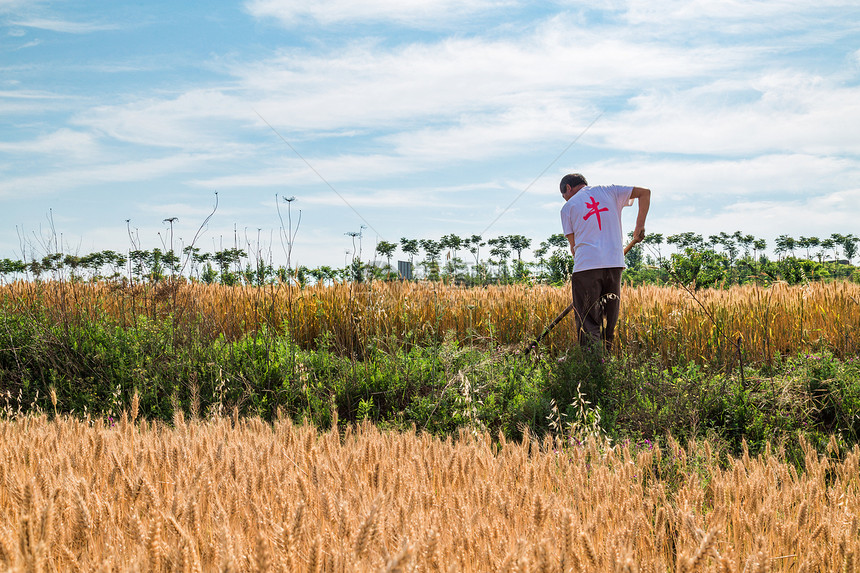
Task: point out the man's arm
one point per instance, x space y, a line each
644 197
570 240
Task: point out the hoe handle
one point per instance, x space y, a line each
566 311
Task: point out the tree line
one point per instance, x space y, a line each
721 259
726 259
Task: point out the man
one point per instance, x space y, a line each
591 220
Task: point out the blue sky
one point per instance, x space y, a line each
419 118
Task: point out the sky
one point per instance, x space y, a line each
127 124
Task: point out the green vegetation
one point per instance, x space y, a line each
93 366
394 362
717 261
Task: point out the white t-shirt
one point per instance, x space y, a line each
593 215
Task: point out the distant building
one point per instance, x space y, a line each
404 269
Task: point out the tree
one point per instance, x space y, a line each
714 240
355 270
328 273
759 245
560 262
785 244
808 243
92 262
209 275
686 240
474 244
52 262
451 242
155 262
633 258
386 249
519 243
849 246
72 262
744 241
410 247
827 245
226 258
431 261
655 240
837 238
171 261
8 266
262 272
728 243
138 259
701 268
115 260
500 249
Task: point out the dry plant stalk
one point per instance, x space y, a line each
211 494
663 320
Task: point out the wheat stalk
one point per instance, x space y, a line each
217 494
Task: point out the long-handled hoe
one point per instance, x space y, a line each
566 311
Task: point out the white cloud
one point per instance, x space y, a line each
818 216
787 175
64 26
184 211
732 16
717 121
194 120
67 143
334 170
765 196
478 136
27 95
30 103
785 112
372 86
386 199
405 12
441 98
31 44
11 6
79 176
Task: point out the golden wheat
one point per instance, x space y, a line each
706 325
246 496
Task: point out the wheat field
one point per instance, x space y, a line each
226 494
708 325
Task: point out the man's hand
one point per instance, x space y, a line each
639 234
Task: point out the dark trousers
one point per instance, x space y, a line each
596 302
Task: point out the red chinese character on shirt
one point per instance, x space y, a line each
593 210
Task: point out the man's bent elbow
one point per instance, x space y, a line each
641 193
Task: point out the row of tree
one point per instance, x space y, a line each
726 259
718 259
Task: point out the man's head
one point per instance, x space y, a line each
574 181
